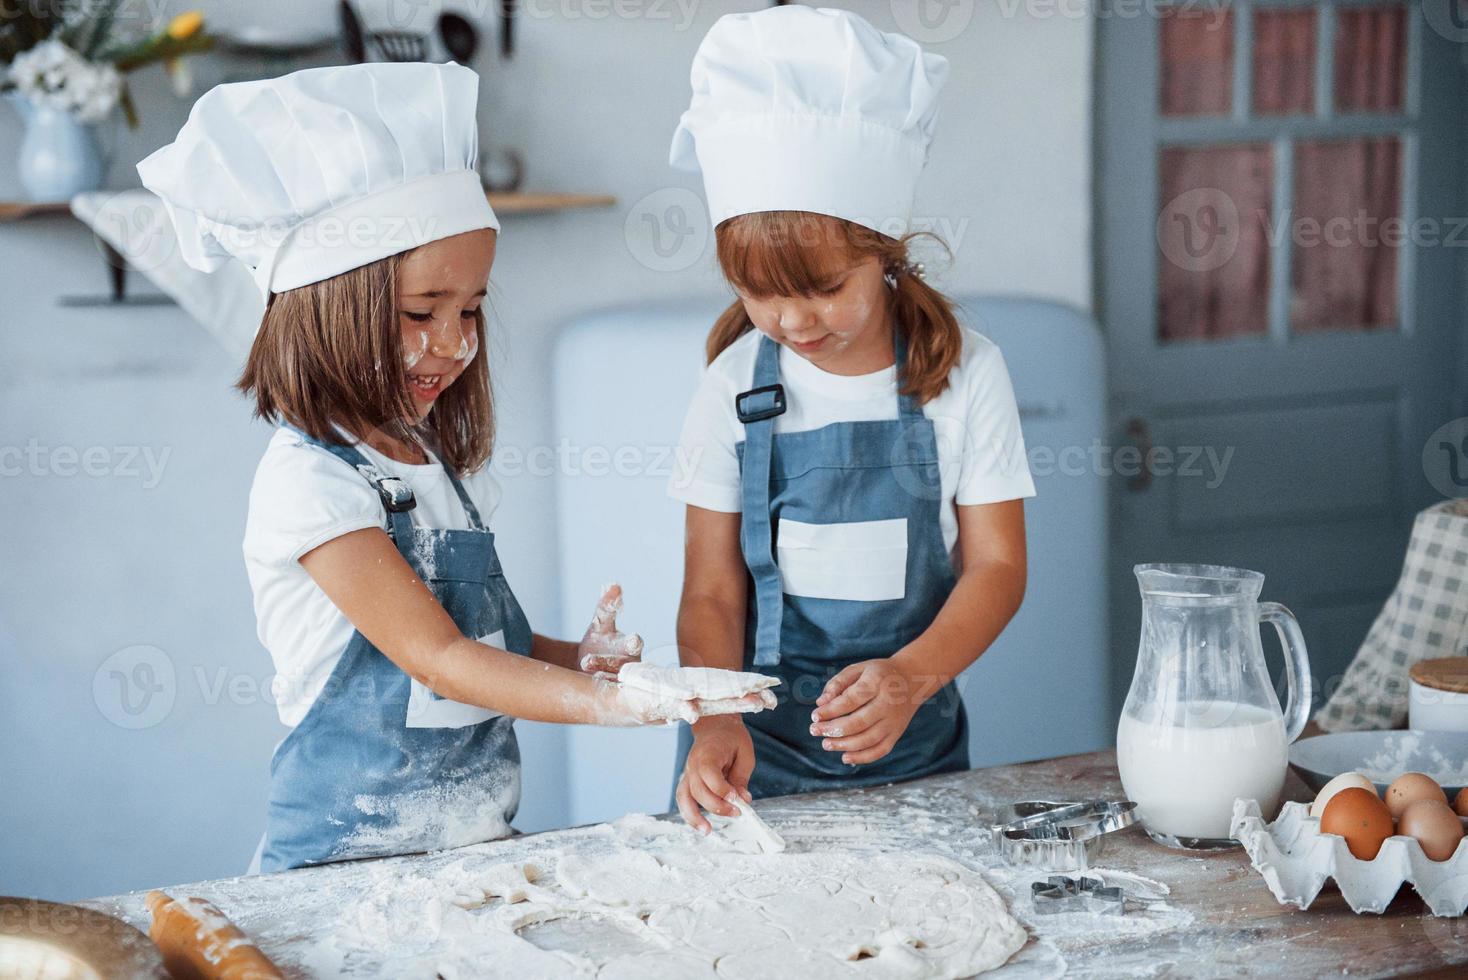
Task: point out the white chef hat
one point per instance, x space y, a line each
321 171
802 109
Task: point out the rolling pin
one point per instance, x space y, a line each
198 942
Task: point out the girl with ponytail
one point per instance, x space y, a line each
855 521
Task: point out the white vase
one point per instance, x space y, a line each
59 156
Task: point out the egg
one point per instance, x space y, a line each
1461 804
1434 825
1410 787
1361 818
1330 789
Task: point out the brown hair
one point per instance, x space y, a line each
331 353
796 253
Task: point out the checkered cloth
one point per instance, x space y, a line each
1426 617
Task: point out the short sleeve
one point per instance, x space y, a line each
706 466
994 465
302 498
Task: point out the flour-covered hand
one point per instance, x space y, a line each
604 648
864 710
718 765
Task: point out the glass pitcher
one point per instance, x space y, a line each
1201 726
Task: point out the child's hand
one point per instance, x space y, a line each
604 649
718 765
864 710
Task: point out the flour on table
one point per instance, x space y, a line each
663 901
747 833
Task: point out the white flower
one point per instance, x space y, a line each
54 76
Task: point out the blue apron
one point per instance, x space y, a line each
380 764
848 499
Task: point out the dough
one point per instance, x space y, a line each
696 908
688 683
747 833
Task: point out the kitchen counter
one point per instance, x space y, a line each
1217 919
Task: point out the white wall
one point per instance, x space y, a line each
98 564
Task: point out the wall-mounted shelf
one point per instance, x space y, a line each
16 210
503 204
532 203
517 203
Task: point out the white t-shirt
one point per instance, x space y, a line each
975 421
303 497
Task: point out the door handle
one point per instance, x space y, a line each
1140 436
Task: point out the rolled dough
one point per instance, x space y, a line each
687 683
747 832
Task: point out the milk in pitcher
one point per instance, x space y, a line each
1185 777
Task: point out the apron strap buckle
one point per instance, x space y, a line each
758 404
396 495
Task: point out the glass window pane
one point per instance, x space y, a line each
1197 61
1213 239
1370 46
1346 234
1284 62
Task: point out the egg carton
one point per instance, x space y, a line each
1296 859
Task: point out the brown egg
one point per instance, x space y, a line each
1344 781
1362 819
1435 826
1461 804
1410 787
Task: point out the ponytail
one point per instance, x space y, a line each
934 337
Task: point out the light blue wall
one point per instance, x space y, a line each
94 565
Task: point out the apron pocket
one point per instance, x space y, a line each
864 561
428 710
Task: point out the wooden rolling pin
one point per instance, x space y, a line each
199 942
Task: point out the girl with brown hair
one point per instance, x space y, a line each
855 524
402 656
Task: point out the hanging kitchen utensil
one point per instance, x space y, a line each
502 171
400 45
351 27
458 36
507 28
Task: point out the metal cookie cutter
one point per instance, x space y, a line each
1055 836
1084 894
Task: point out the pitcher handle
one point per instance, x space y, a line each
1296 663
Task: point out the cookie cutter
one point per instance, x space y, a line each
1056 836
1059 894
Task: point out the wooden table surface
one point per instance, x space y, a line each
1219 920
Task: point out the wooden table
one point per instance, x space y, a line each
1223 920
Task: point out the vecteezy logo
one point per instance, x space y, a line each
1199 229
139 236
135 687
1448 18
932 21
667 230
1445 459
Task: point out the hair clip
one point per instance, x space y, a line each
914 269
